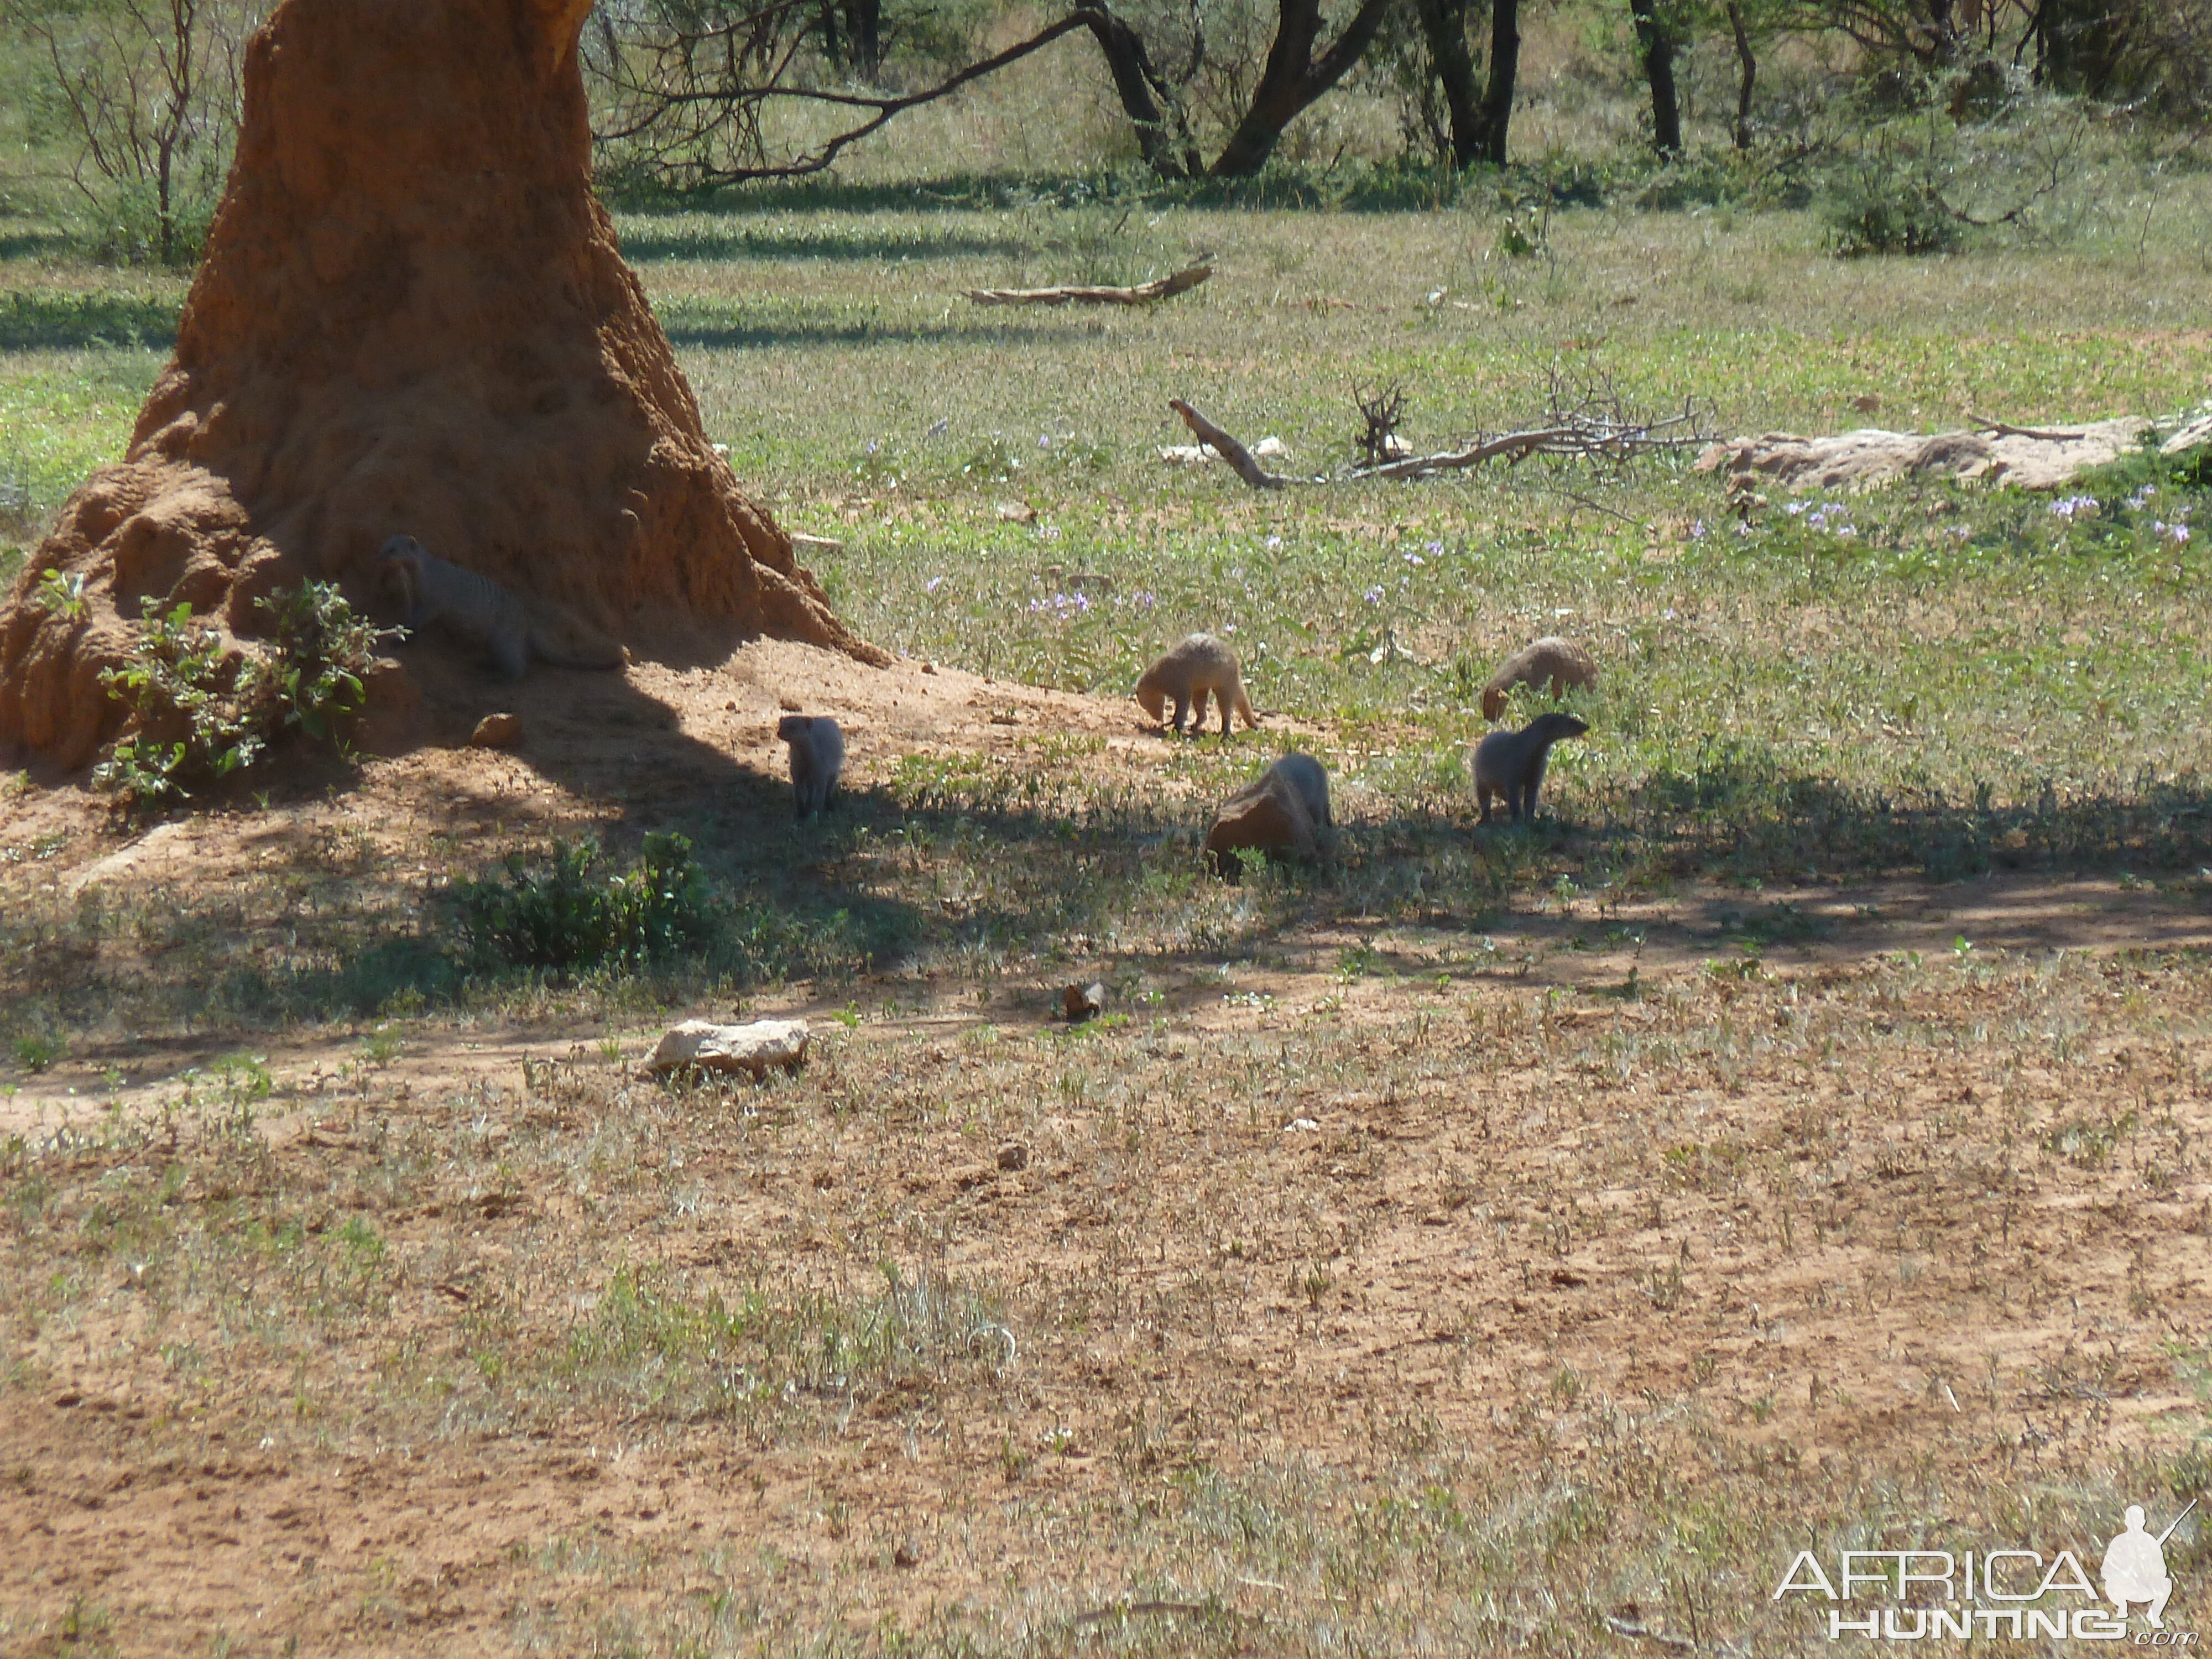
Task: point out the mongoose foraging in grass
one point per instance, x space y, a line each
1550 661
1512 763
1188 673
817 755
1283 810
479 610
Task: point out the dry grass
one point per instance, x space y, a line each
1380 1312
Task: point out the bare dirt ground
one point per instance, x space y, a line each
1314 1297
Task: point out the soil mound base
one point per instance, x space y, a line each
412 318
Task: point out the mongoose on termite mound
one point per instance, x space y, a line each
1283 810
480 610
1201 666
1512 763
1556 662
817 755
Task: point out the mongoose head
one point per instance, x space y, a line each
795 728
1151 699
402 549
1550 728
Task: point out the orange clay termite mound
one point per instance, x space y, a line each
411 319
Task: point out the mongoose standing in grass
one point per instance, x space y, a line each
1512 763
817 755
1550 661
479 610
1188 673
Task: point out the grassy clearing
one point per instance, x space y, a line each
1936 679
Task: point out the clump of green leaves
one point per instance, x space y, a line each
562 910
205 711
63 596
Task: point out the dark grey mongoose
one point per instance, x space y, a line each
1512 763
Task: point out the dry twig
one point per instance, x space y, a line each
1166 287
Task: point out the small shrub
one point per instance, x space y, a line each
205 711
322 649
559 911
1874 209
179 673
63 596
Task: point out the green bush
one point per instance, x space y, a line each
561 911
204 712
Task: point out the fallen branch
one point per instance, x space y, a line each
1164 288
1228 449
1589 436
2001 430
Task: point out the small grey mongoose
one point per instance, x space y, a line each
480 610
1512 763
817 755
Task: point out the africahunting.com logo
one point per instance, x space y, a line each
1997 1595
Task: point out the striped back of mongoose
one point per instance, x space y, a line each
817 755
479 610
1512 763
1200 666
1551 663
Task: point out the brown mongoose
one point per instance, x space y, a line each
1283 810
480 610
1188 673
817 755
1512 763
1549 661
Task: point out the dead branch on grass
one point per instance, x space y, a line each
1590 421
1164 288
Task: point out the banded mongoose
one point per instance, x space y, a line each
817 755
1512 763
1550 661
1201 666
479 610
1284 811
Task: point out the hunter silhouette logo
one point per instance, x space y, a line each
2134 1566
2010 1593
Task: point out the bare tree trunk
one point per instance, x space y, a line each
1140 89
1749 77
864 36
1444 23
1655 42
2078 44
1504 64
1294 78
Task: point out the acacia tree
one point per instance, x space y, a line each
1477 110
148 91
684 87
